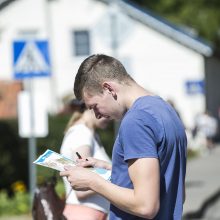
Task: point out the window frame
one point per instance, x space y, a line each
81 41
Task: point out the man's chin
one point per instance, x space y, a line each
111 118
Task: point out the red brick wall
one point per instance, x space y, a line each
8 98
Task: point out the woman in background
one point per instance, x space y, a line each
80 136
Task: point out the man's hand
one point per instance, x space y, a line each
90 161
80 178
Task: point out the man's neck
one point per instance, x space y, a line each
132 93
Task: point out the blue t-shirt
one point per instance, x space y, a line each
152 129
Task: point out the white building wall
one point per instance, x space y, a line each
68 16
163 66
155 61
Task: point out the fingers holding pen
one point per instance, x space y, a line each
92 162
88 162
84 162
79 177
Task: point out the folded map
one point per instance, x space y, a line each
57 161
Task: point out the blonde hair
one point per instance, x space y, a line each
79 108
75 117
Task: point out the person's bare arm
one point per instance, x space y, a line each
85 153
141 201
84 194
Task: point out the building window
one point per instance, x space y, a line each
81 43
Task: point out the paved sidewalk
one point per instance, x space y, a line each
203 186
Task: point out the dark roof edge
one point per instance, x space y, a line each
5 3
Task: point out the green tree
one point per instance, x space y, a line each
203 16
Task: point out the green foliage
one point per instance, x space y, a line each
14 150
60 188
20 203
13 157
200 15
54 139
17 205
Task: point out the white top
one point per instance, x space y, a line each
80 135
207 125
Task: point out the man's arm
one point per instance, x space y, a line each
141 201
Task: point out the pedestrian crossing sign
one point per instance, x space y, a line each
31 59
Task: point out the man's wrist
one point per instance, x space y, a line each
96 182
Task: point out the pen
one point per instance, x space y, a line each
79 156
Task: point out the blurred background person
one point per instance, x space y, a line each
206 125
81 136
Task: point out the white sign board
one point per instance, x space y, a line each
40 117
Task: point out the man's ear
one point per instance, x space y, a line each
107 86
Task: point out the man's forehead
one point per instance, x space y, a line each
90 97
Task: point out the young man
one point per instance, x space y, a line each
149 154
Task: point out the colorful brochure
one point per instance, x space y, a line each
57 161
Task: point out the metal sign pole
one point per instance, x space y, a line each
32 145
31 59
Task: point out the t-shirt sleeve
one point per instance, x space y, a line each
74 138
140 135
